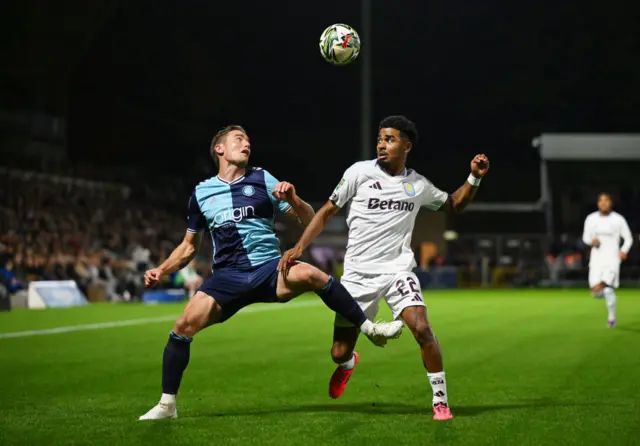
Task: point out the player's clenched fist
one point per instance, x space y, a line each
152 277
480 165
289 258
284 191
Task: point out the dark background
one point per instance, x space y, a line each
129 93
148 83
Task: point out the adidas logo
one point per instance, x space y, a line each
376 185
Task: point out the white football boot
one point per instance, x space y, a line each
162 411
380 332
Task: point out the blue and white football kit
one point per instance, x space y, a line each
240 217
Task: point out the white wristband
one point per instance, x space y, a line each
473 180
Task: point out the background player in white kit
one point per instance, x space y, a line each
603 230
385 199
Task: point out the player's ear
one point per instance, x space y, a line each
219 149
407 148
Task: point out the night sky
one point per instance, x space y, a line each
151 82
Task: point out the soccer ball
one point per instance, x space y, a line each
339 44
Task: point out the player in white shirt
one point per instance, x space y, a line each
385 198
603 230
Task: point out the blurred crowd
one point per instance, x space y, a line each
56 228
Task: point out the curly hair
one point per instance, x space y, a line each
405 126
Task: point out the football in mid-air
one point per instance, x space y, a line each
339 44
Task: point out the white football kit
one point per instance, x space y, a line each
379 259
604 261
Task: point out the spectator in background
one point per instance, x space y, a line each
141 258
189 278
9 279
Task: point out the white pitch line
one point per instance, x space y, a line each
97 326
142 321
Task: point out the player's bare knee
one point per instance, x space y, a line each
423 333
186 326
318 279
311 276
181 327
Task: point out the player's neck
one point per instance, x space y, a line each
230 173
394 170
604 214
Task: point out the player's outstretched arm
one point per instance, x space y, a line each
285 191
459 200
313 229
179 258
302 210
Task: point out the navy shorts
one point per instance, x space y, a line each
234 289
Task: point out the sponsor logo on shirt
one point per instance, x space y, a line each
390 205
234 214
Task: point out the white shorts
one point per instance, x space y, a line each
608 275
400 291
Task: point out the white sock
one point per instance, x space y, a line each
167 398
351 363
439 386
611 300
366 327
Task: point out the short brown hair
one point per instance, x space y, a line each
222 133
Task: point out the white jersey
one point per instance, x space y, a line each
608 229
382 214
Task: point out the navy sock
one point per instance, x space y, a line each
336 297
174 361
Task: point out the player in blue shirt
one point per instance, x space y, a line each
238 207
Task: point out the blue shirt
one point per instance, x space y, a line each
240 217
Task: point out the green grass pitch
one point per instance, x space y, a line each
524 367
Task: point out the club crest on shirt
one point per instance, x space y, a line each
409 189
248 191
